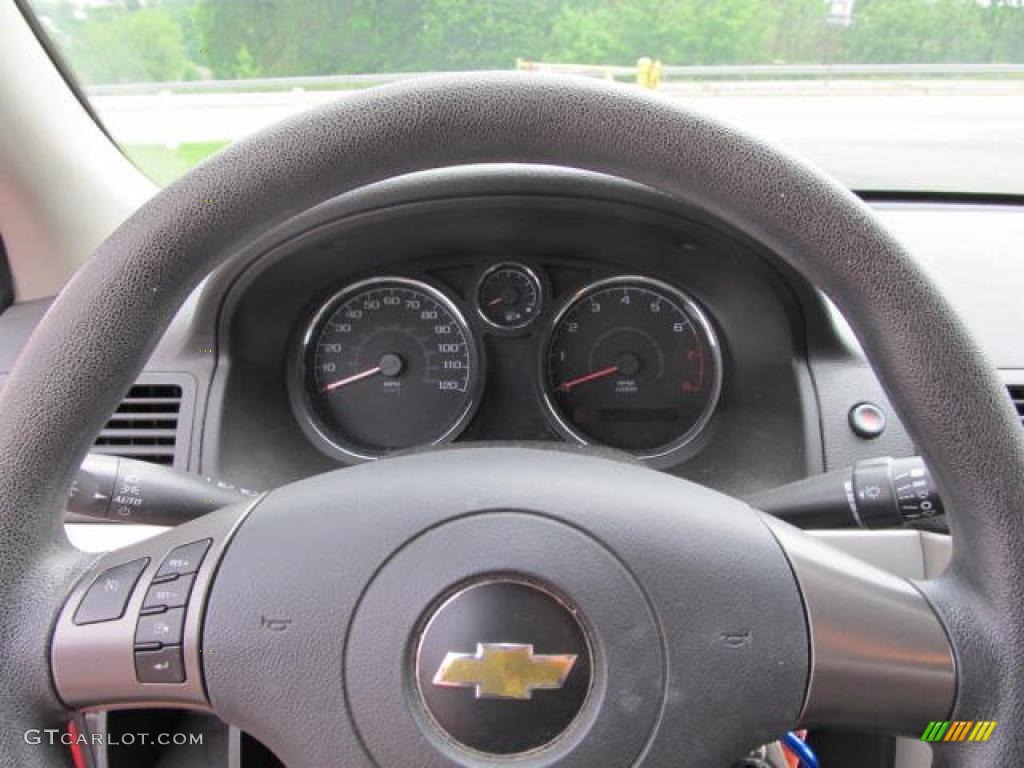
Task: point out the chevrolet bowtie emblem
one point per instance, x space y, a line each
504 671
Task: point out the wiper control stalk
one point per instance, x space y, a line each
131 491
877 493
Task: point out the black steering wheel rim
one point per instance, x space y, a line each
97 335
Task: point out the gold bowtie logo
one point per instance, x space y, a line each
504 671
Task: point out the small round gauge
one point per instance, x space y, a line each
509 296
386 364
632 363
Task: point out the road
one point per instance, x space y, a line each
936 135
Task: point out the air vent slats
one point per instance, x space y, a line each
112 435
155 454
148 404
143 420
145 424
1017 395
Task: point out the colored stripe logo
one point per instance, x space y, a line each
958 730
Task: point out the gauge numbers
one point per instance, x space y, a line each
632 363
388 364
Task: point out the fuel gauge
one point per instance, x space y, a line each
509 296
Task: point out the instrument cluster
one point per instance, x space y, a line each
392 363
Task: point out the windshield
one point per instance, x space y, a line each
895 95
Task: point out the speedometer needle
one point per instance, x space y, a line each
390 365
565 386
351 379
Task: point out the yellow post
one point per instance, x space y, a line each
648 72
655 74
643 71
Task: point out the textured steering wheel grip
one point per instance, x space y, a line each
97 335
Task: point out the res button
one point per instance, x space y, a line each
184 559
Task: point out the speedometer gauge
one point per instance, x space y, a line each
386 364
632 363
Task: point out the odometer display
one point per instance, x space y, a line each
387 364
632 363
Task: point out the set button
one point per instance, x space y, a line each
168 594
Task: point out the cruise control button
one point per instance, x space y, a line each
169 594
108 595
163 666
163 628
184 559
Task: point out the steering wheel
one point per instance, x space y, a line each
517 605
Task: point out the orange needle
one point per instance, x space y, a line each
351 379
565 386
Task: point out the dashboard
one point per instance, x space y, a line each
501 304
489 307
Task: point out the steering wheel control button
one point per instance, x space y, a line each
165 665
183 560
503 667
867 420
107 597
160 628
168 594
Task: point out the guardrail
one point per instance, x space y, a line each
310 83
740 71
646 72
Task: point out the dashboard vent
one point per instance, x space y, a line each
1017 395
145 425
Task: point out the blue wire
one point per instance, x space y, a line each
799 747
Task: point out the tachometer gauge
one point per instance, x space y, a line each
632 363
386 364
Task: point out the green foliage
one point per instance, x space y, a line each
115 46
914 31
245 64
585 35
163 165
131 40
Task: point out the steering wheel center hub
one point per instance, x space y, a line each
503 667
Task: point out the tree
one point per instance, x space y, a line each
131 40
120 46
915 31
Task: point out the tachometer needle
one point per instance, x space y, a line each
565 386
351 379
